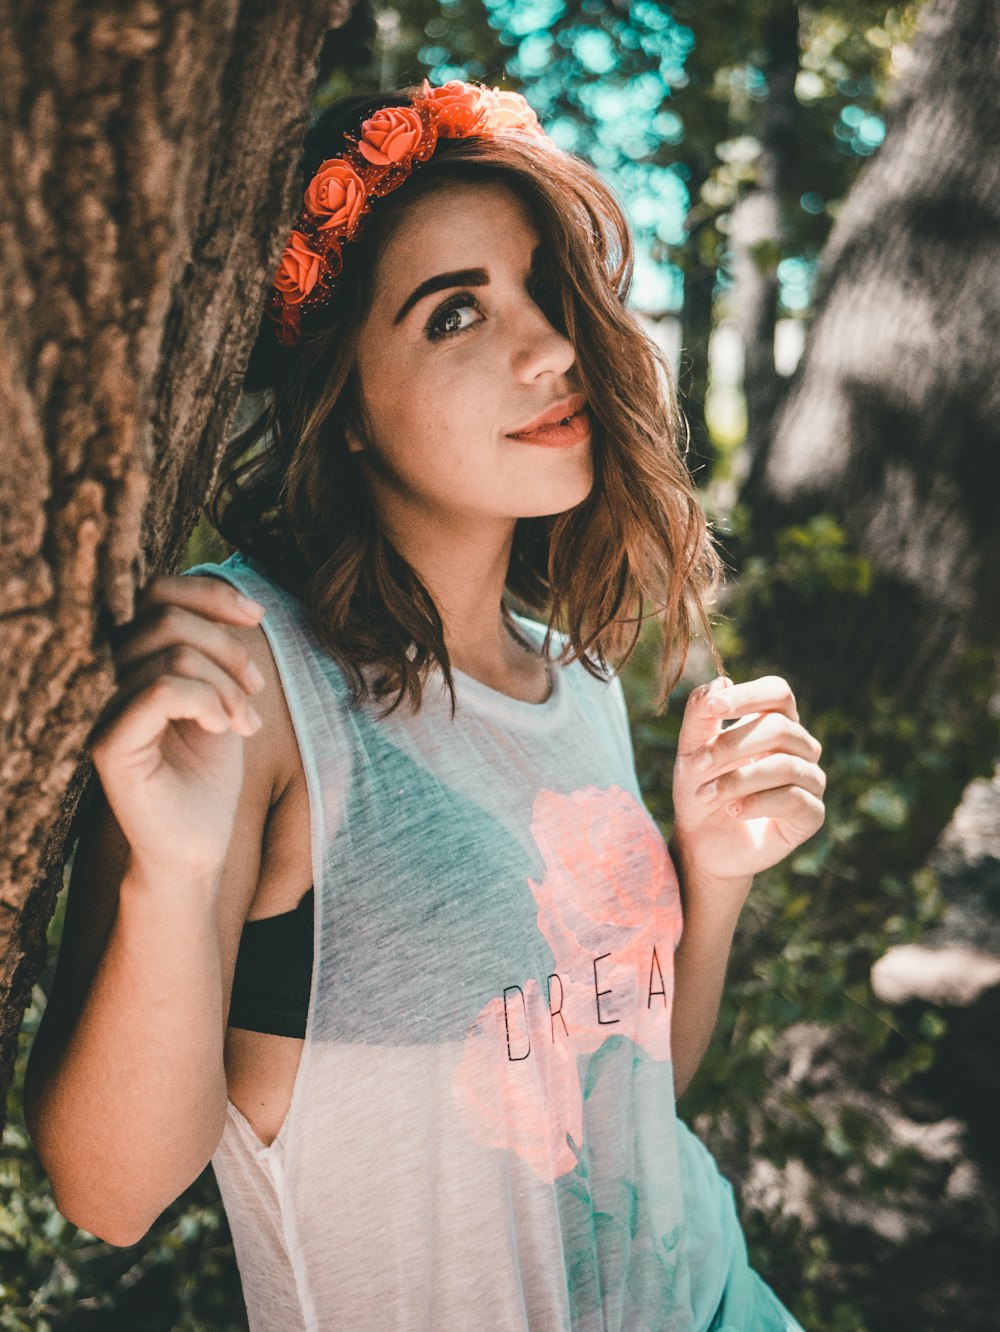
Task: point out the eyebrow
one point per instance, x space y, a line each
462 277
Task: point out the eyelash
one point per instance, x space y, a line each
464 299
459 301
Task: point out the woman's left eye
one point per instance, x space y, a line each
450 319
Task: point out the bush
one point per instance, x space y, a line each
797 1095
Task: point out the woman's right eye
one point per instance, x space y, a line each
447 320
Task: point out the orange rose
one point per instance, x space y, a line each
462 108
299 269
391 135
511 111
338 191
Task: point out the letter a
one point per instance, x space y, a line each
662 991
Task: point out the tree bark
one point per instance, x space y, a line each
758 230
150 155
696 329
893 420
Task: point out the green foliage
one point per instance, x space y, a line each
204 546
812 929
670 102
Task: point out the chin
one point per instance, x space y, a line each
557 494
551 505
577 493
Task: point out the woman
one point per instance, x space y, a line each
402 953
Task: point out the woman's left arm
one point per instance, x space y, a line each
744 797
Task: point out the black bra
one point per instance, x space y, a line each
274 971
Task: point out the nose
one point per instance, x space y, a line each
540 349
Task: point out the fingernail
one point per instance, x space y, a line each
255 677
255 720
701 759
718 703
251 607
709 792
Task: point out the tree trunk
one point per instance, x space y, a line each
892 424
696 329
150 155
758 231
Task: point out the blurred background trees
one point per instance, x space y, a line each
815 192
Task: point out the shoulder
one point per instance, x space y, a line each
271 704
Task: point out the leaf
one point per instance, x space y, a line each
884 804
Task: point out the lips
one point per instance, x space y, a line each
559 412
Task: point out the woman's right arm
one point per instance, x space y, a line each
125 1092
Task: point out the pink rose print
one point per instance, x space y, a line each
609 907
517 1088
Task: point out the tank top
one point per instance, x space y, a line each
482 1131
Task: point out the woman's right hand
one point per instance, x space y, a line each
168 747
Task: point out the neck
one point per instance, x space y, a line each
466 572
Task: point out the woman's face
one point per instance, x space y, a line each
454 357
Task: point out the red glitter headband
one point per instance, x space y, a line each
392 142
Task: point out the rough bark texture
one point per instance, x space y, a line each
149 153
696 328
893 421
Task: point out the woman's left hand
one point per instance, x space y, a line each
747 795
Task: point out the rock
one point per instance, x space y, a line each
950 976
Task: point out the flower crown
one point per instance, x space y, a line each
392 142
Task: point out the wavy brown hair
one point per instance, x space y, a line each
293 498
